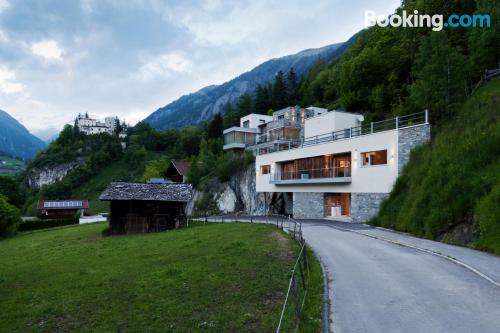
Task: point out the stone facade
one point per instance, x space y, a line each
409 138
364 206
308 205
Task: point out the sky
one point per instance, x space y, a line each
128 58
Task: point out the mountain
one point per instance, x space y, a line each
16 140
202 105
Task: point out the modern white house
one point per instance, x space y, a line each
247 134
338 167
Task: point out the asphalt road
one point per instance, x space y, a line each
378 286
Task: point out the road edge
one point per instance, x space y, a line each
432 252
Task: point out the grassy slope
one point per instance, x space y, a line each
224 277
453 184
11 167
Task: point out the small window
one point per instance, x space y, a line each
281 117
265 169
246 123
378 157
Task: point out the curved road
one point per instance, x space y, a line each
378 286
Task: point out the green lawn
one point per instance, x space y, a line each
216 278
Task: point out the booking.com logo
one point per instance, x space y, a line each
416 20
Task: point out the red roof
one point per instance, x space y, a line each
63 204
182 166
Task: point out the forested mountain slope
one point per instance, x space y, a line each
16 140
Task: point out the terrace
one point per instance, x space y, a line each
327 169
396 123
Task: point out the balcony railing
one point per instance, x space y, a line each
324 175
365 129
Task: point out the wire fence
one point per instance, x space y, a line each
296 294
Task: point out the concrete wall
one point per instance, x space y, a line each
408 139
364 206
308 205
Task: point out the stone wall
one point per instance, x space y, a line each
364 206
308 205
409 138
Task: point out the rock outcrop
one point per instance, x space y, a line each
238 195
37 177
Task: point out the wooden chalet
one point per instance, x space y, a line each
177 171
61 209
151 207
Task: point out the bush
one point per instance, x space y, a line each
488 211
9 217
44 224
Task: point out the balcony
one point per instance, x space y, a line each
340 175
239 137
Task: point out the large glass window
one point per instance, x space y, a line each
378 157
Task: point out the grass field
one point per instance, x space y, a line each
10 166
213 278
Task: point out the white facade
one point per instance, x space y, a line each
254 120
326 122
373 179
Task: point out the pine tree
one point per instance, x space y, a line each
262 99
279 92
292 87
216 127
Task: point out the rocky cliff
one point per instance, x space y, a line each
37 177
239 195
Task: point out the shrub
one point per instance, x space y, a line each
9 217
44 224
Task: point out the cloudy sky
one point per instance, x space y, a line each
127 58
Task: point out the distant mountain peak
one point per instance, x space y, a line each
16 140
201 105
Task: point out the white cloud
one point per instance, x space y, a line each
8 85
4 4
86 6
164 65
48 50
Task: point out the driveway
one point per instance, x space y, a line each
379 286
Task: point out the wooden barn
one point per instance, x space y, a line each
61 209
151 207
177 171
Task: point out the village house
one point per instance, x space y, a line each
61 209
150 207
329 163
177 171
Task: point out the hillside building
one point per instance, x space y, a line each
90 125
329 163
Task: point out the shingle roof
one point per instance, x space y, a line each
148 192
63 204
182 166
